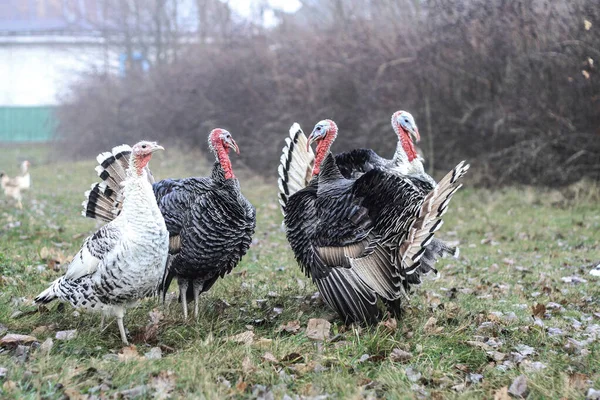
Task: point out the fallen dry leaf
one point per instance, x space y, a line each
263 342
390 324
398 355
482 345
129 353
74 394
502 394
46 347
244 337
578 381
163 384
42 330
269 357
292 358
241 386
150 332
15 338
247 365
587 24
66 335
496 355
430 325
9 386
518 387
134 392
318 329
155 353
462 367
539 310
290 327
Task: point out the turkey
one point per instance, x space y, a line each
13 187
354 163
125 259
210 222
361 240
405 161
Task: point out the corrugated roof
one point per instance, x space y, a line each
44 16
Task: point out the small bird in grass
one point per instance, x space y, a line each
13 187
125 259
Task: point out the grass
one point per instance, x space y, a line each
466 331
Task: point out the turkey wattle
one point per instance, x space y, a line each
210 222
363 239
125 259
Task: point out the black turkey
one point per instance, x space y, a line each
362 239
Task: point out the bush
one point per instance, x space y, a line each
509 85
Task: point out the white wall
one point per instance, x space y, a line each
38 71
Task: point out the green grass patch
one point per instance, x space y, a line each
470 332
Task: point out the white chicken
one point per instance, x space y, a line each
125 259
13 187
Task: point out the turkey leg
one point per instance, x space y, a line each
183 285
197 287
122 331
120 313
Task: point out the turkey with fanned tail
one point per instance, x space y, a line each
123 261
362 239
209 220
354 163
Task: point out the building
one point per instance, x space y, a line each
45 45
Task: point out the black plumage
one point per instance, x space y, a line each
363 231
356 239
211 226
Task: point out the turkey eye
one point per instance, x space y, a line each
143 146
318 128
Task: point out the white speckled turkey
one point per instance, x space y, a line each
210 222
362 237
123 261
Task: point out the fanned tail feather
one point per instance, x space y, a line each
296 165
420 250
104 200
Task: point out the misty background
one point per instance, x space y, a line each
510 85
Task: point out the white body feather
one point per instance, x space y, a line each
123 261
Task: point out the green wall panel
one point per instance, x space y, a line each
27 124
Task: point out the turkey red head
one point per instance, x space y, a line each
141 153
324 133
222 139
220 142
405 127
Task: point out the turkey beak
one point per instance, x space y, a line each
157 147
233 145
314 136
415 134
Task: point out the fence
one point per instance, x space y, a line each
27 124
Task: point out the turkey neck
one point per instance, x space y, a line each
222 155
323 149
405 158
139 203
